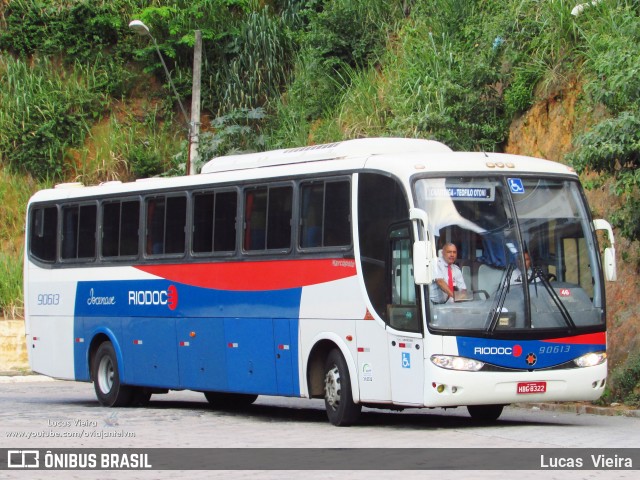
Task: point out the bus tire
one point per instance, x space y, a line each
338 401
106 378
485 413
230 400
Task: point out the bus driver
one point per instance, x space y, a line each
448 276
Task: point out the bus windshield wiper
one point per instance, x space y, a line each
501 295
538 273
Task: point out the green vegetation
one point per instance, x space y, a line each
624 384
44 110
83 98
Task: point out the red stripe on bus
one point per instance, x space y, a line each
599 338
255 276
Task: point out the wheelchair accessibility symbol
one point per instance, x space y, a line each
406 360
515 185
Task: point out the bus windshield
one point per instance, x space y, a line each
526 258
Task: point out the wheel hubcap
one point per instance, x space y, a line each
332 387
105 375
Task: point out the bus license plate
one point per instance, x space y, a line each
532 387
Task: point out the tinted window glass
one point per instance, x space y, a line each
120 228
325 219
214 220
166 222
43 233
267 218
78 232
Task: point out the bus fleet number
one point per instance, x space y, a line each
48 299
555 349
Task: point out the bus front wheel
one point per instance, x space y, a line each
106 378
341 409
485 413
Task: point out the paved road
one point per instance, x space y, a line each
55 414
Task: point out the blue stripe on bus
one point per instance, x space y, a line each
528 354
179 336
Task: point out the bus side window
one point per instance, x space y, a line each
166 225
325 219
120 226
214 222
155 226
176 216
42 238
255 219
224 230
130 228
311 213
402 308
267 218
79 232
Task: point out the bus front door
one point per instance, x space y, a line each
404 327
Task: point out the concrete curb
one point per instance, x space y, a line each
8 378
582 409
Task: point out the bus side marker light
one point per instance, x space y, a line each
232 345
349 338
79 340
137 342
283 347
184 344
192 334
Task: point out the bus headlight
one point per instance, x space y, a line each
591 359
456 363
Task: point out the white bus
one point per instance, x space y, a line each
310 272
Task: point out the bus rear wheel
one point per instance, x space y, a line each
341 409
106 378
485 413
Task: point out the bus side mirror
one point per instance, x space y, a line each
609 261
610 271
423 257
421 271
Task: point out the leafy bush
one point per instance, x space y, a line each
79 31
236 132
443 91
257 66
623 385
340 35
610 35
44 110
10 281
612 148
348 32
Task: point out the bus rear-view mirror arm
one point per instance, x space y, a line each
609 260
423 250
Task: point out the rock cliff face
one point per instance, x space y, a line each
547 131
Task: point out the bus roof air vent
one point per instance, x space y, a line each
361 147
69 185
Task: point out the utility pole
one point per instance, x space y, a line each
194 129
